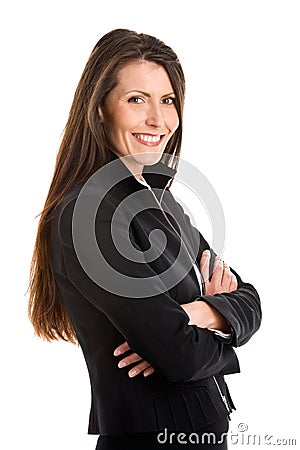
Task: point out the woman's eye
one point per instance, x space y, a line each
169 101
135 100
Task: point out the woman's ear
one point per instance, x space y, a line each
100 114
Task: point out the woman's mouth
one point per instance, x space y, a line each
151 140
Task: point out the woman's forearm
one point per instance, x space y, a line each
204 315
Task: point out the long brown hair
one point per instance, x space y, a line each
83 150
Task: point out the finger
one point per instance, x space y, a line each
233 283
148 371
204 264
226 277
122 349
130 359
138 369
218 272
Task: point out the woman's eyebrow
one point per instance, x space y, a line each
146 94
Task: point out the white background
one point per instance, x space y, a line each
241 61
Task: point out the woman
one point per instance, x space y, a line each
116 261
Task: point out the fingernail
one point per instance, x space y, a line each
132 373
117 352
121 364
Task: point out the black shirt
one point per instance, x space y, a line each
122 273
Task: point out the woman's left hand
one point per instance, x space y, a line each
143 365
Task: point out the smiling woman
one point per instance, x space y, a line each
140 113
119 269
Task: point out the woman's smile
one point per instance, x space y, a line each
151 140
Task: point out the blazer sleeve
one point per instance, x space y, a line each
156 327
241 308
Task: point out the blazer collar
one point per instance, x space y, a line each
157 175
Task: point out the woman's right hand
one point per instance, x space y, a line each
222 279
201 313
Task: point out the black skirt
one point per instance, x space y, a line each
213 436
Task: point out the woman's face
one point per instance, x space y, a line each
139 115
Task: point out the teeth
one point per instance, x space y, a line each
147 138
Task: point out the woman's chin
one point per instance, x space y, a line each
148 158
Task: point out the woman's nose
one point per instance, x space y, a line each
155 116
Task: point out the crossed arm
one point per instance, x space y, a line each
192 349
200 313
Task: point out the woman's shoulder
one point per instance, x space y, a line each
69 199
83 201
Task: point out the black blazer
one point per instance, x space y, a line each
106 309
